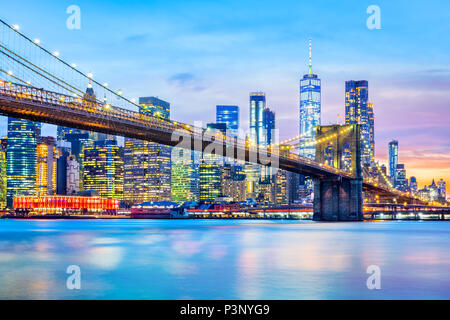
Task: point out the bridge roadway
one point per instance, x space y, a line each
26 102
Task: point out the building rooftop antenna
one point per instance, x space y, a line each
310 59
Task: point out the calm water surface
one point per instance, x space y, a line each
213 259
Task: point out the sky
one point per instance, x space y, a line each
199 54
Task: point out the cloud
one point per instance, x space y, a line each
186 80
182 79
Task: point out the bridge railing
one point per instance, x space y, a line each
36 95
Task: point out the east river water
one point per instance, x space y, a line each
223 259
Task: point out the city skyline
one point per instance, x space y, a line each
408 84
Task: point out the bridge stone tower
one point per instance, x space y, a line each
339 198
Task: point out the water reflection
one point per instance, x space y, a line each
223 259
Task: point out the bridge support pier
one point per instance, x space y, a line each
338 200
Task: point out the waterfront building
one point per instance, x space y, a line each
147 165
265 193
210 178
359 110
46 166
413 185
228 115
393 159
21 157
64 205
210 168
281 186
103 168
185 175
233 183
400 178
310 109
252 179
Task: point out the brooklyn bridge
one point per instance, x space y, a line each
36 84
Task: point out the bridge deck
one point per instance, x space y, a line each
35 104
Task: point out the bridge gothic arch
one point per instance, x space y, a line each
339 198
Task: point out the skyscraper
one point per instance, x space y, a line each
210 168
442 189
281 185
310 109
393 159
359 110
46 166
210 179
103 168
413 185
185 175
257 106
72 175
269 132
269 126
64 152
229 115
400 178
310 117
21 157
61 132
256 136
233 182
147 165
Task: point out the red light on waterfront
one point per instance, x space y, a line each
65 202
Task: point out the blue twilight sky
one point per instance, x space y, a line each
197 54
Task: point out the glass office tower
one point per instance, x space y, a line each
210 168
401 182
393 159
310 117
269 132
310 110
147 175
229 115
103 168
257 106
185 175
359 110
21 157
